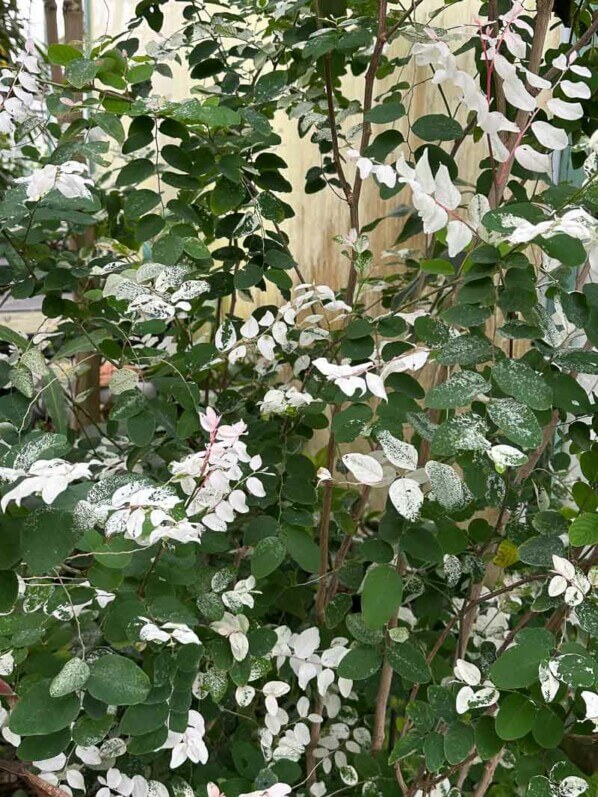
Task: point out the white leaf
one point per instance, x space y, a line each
255 487
266 347
467 672
527 157
550 136
576 90
365 167
572 787
591 701
397 452
244 695
239 645
536 81
407 498
306 643
516 94
433 216
250 328
582 71
365 469
375 385
563 567
565 110
458 236
386 175
445 192
557 586
464 695
411 361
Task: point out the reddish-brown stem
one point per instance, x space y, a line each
324 530
381 704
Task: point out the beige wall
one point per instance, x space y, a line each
319 216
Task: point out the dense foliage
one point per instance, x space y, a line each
305 540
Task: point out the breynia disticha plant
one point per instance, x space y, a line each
261 535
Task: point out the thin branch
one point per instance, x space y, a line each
583 40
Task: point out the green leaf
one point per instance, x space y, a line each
517 667
48 538
9 590
437 266
71 678
302 548
517 379
36 748
226 196
268 554
409 662
359 663
465 432
458 391
135 172
37 713
212 116
79 72
539 551
144 718
140 73
434 751
350 423
381 595
486 741
138 203
168 249
515 718
55 403
271 207
269 86
584 530
387 112
141 428
458 742
548 729
564 248
10 336
111 125
516 421
117 681
62 54
539 786
405 746
466 315
437 127
584 362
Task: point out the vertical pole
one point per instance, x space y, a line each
88 380
52 36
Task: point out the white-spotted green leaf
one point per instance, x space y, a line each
518 380
447 487
407 498
458 391
397 452
71 678
516 421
